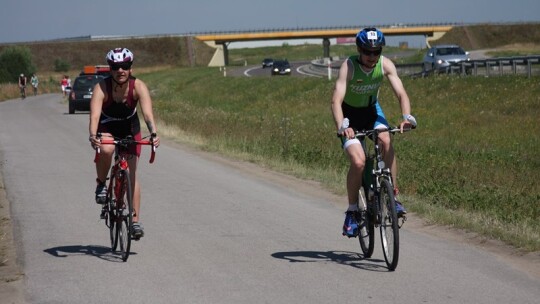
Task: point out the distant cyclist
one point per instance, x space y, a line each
22 85
64 85
356 98
35 82
113 112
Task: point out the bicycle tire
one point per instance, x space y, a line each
111 202
389 224
125 209
366 237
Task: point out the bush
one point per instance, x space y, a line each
61 65
14 61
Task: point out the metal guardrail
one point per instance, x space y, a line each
523 65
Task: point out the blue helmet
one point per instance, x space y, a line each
370 38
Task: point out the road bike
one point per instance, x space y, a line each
377 206
118 209
23 91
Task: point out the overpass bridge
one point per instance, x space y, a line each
221 40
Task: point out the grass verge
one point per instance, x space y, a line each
471 163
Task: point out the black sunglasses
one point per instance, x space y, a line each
124 65
374 53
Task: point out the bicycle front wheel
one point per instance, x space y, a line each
389 224
111 215
125 209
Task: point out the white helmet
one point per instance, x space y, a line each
119 55
22 75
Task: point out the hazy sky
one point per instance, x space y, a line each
34 20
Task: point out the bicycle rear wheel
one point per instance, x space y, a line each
389 224
125 211
366 236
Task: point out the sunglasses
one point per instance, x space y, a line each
372 53
124 65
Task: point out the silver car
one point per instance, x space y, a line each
440 57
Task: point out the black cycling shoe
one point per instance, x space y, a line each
101 193
137 231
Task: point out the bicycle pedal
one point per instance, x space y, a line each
403 219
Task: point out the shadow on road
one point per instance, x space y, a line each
100 252
339 257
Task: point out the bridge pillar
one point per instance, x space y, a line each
225 54
326 48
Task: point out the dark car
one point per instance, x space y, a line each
267 62
281 67
81 92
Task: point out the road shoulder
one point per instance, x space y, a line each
11 276
528 263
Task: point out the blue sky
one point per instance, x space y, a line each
35 20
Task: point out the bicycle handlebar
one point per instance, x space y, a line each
368 133
126 142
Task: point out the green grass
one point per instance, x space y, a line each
471 163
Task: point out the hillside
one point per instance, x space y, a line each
148 52
488 36
176 51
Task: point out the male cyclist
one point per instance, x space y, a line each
22 85
356 98
113 112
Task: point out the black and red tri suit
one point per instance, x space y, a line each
121 119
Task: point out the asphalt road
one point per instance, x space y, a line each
215 233
297 68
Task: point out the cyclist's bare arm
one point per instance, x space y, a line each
95 112
338 96
146 106
399 90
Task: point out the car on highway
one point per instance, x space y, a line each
267 62
440 57
281 67
81 92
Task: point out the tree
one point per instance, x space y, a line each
15 60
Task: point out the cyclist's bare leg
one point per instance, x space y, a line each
357 160
103 165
